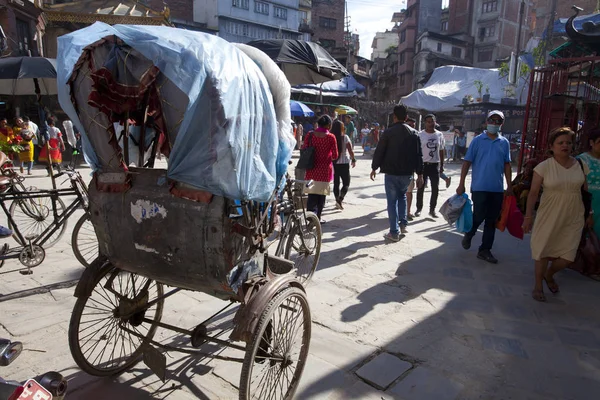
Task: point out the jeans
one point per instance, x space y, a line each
487 207
341 171
395 192
431 171
315 203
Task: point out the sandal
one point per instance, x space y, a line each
538 295
552 285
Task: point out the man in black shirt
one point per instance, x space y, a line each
399 156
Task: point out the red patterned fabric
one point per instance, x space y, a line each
325 152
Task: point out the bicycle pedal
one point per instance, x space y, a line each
26 272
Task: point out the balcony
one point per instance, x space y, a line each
304 27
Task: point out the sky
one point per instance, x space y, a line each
370 16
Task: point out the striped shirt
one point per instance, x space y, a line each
344 155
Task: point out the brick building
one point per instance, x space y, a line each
541 10
23 26
419 16
327 23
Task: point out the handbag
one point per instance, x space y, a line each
585 195
587 261
465 221
307 155
501 223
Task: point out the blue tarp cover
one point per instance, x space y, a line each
238 154
346 84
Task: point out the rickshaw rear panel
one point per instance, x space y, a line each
176 241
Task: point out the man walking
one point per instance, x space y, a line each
489 153
350 129
399 157
432 143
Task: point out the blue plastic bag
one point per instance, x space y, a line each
465 221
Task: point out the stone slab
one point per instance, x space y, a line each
383 370
425 384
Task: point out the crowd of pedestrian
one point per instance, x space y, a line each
551 194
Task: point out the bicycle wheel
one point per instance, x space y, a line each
276 355
109 328
33 216
84 241
303 247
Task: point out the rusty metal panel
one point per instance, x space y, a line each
176 241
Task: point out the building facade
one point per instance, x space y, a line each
383 41
328 18
23 27
305 15
435 50
242 21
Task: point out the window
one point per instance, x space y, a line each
456 52
236 28
401 59
489 6
419 47
327 23
402 79
327 43
487 31
444 26
439 47
402 36
485 55
261 8
280 12
23 37
241 4
303 16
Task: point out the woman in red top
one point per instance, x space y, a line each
322 173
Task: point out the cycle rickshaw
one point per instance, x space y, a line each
205 222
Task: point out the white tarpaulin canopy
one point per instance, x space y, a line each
448 86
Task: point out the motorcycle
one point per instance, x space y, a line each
49 386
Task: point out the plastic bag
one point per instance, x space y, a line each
501 223
464 223
452 208
514 222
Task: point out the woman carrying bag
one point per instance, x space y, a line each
560 217
324 151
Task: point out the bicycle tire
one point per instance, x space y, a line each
38 223
267 338
85 252
311 230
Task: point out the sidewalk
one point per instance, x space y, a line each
417 319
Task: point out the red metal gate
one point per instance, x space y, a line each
566 92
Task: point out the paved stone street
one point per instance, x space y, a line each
419 319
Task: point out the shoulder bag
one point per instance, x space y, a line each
307 155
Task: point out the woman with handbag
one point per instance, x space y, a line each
324 152
561 214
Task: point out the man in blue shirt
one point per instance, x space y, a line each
489 153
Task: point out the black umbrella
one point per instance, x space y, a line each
302 62
18 76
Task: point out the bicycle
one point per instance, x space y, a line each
38 218
300 236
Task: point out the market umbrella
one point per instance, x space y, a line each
345 110
300 109
302 62
18 76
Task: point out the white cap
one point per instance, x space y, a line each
496 112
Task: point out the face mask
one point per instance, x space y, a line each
493 129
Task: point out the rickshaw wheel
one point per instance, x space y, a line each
104 327
84 241
276 355
305 255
